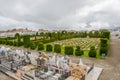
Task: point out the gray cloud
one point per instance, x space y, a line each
59 14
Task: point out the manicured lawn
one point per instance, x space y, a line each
84 43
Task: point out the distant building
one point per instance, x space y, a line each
43 30
11 33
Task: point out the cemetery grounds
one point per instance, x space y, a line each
84 43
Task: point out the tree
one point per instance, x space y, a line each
92 52
26 41
105 34
91 34
18 37
49 47
69 50
97 34
78 52
40 46
37 34
35 37
57 48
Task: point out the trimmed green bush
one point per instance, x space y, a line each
78 52
104 46
49 47
40 46
15 43
32 45
103 50
57 48
11 43
105 34
26 41
92 52
69 50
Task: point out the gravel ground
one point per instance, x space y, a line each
110 65
4 77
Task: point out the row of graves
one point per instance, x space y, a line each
15 62
57 67
22 65
84 43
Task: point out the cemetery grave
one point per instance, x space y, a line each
43 66
84 43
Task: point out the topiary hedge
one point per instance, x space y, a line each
57 48
49 47
92 52
104 46
69 50
40 46
78 52
103 50
32 45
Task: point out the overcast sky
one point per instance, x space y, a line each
59 14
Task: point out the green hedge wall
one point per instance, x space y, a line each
78 52
40 46
69 50
92 52
57 48
49 48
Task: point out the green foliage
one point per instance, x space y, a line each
49 47
78 52
18 37
15 43
103 50
105 34
11 43
40 46
69 50
104 46
92 52
32 45
97 34
3 42
57 48
37 34
10 38
94 34
26 41
104 42
83 34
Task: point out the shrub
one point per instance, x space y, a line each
32 45
104 46
7 42
15 43
48 47
92 52
69 50
103 50
57 48
3 41
104 42
11 43
40 46
78 52
26 41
